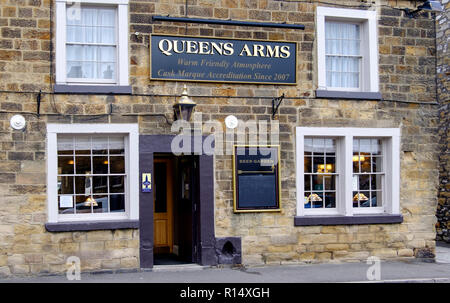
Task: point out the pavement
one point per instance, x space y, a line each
411 270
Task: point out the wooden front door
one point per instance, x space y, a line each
163 206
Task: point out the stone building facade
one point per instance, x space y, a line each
443 70
32 241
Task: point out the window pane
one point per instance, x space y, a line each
376 182
83 164
83 185
100 145
308 164
307 182
100 184
83 204
65 145
330 166
116 184
377 199
100 164
91 62
117 203
377 164
329 182
364 182
317 182
91 25
64 203
356 163
342 38
330 147
307 201
82 145
317 200
65 185
330 200
65 165
355 199
100 204
116 145
365 164
117 165
318 164
375 146
364 199
319 146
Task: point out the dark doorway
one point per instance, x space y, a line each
204 247
176 219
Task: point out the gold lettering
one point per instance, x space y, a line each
285 53
246 50
258 50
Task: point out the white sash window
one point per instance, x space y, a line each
92 42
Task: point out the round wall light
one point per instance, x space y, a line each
18 122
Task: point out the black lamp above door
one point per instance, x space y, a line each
183 109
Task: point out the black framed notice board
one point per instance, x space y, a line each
256 178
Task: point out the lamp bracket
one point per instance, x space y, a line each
275 104
38 103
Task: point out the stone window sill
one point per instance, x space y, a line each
330 94
93 89
91 225
347 220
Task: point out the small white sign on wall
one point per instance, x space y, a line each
65 201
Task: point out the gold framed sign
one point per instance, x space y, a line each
256 178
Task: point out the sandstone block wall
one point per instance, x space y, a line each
443 81
407 73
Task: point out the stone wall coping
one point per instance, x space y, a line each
91 225
348 220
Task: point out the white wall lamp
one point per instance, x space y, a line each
18 122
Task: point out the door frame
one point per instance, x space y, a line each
148 146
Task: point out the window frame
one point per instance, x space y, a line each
369 78
131 134
122 68
344 167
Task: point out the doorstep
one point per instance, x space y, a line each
178 267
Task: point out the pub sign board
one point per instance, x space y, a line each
222 60
256 178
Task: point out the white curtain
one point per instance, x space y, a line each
91 44
342 47
320 145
